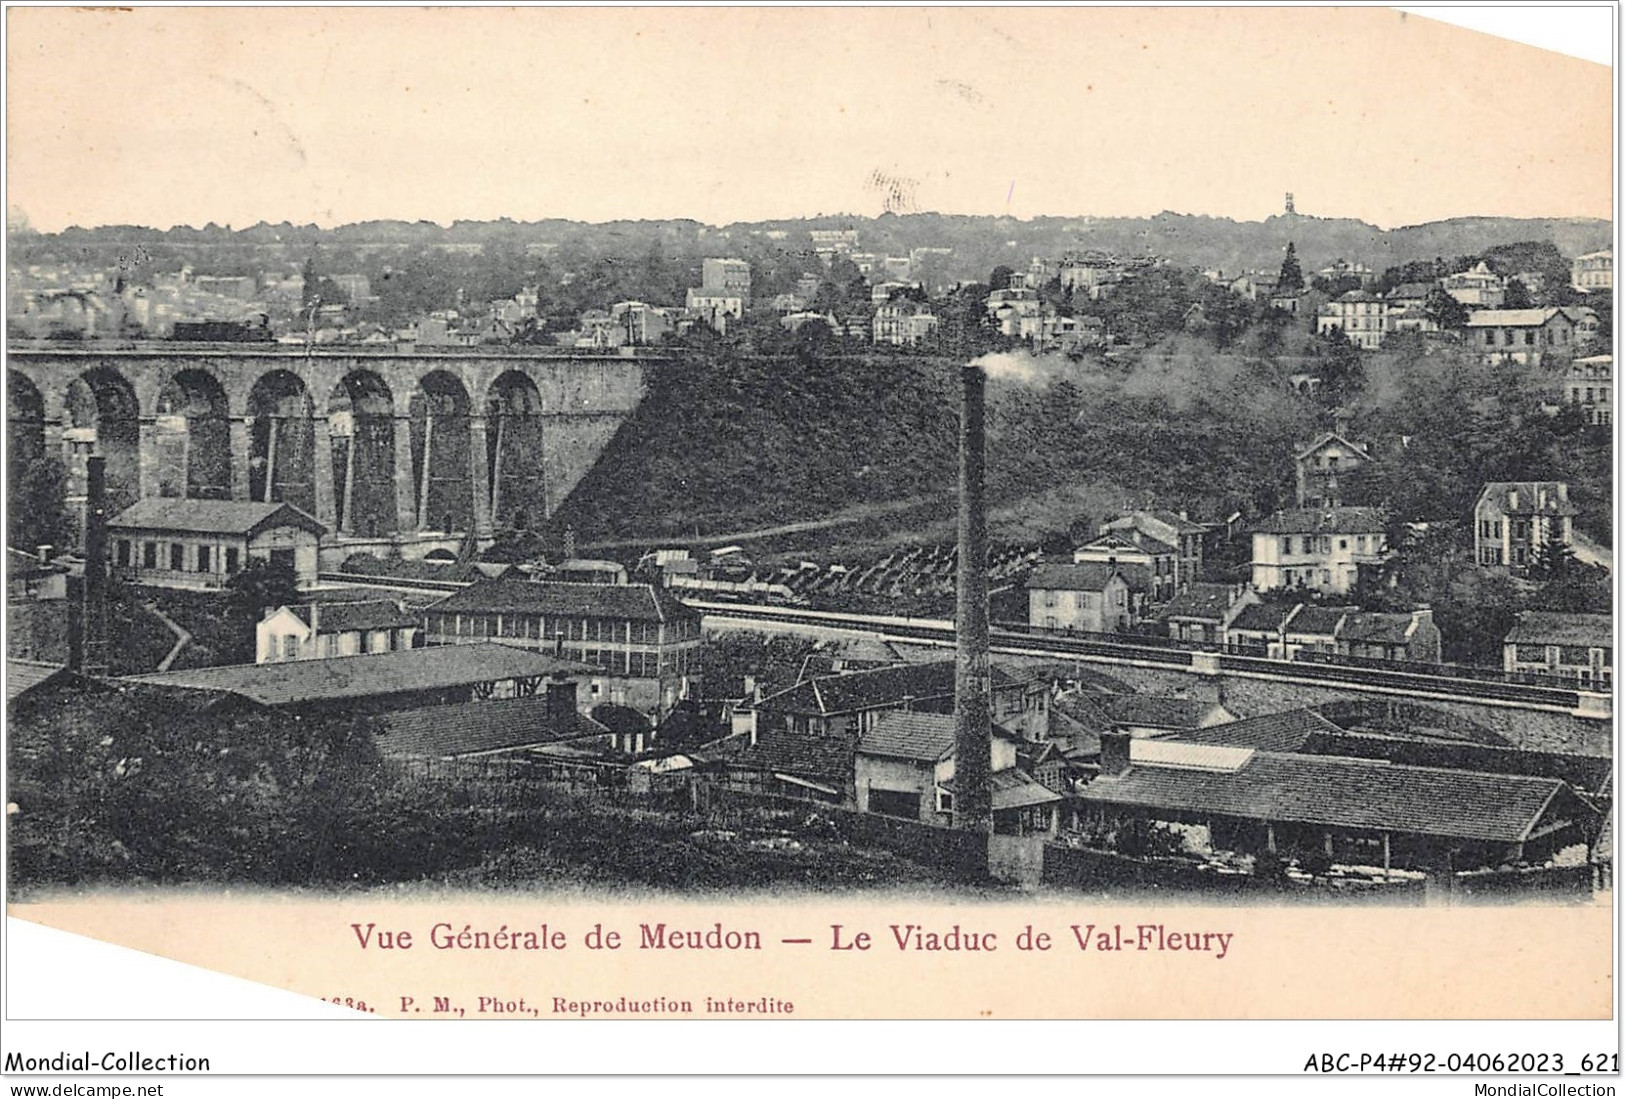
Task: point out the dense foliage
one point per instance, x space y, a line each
133 785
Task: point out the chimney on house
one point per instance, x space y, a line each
561 699
1114 754
44 554
94 650
973 720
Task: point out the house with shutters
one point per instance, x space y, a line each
1513 520
1524 336
1170 528
1323 468
1572 646
1317 549
174 543
1089 598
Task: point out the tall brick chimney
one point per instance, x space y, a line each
95 586
973 721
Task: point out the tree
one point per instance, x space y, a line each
1291 278
38 513
262 585
1445 311
1000 277
1552 559
1517 296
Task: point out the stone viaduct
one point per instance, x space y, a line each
395 451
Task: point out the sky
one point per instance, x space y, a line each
163 116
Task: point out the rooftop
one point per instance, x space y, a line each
1534 497
464 729
1087 576
923 738
339 678
635 602
876 688
1510 318
1322 521
238 517
1343 793
1559 628
1201 600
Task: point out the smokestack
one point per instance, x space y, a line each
973 722
95 586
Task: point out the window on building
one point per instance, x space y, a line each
122 553
232 561
1575 656
1049 599
1529 654
204 559
177 556
149 555
290 647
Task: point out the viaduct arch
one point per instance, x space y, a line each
394 451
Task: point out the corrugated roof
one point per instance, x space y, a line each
1322 521
240 517
1089 576
924 738
1342 793
477 728
349 677
1557 628
632 602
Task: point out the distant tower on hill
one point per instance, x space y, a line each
1290 208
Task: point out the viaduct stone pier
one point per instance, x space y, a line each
396 451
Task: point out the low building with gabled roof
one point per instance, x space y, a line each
1571 646
381 682
507 726
852 703
1354 811
308 631
1203 612
182 543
